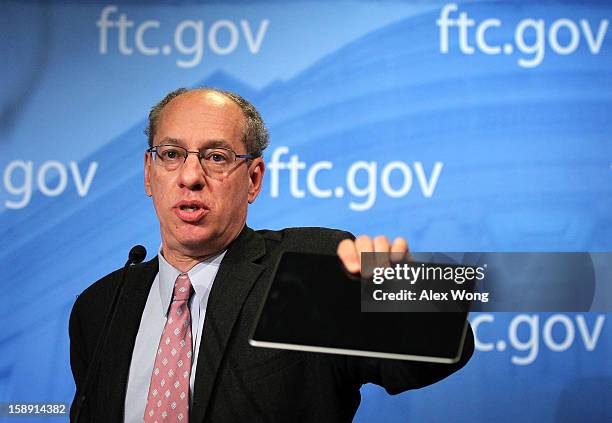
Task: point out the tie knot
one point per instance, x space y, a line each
182 288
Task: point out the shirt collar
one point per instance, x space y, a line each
202 276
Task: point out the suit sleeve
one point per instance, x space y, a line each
78 354
394 375
397 376
84 328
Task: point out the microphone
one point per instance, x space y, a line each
137 254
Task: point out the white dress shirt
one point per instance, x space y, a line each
152 325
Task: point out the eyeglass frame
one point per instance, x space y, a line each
237 156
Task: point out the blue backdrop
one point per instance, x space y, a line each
478 126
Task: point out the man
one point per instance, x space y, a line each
177 349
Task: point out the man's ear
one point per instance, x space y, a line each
147 174
256 173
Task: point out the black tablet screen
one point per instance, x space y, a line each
313 304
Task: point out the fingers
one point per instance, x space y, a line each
349 256
364 243
381 244
400 245
350 251
399 249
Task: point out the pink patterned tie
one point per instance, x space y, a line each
168 398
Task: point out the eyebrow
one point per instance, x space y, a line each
207 144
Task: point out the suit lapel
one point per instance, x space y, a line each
117 354
236 276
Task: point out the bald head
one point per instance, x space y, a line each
255 132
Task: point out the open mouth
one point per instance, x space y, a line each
189 208
190 211
190 205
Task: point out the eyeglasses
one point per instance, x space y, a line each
217 160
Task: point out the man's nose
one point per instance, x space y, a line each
191 173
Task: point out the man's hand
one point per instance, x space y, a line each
350 251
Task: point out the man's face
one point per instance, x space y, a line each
200 215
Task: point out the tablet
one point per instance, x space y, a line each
314 305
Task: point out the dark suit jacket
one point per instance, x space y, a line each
234 381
